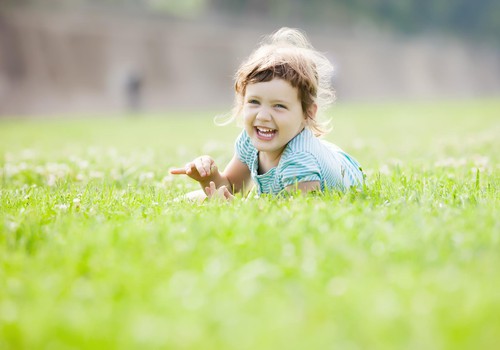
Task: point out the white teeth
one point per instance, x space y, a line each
265 130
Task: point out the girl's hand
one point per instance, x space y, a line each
202 169
221 193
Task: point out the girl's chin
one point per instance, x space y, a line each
265 138
265 146
262 142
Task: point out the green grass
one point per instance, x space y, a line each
94 252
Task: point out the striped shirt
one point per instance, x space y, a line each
305 158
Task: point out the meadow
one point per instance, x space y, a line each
95 252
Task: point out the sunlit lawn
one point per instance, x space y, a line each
95 252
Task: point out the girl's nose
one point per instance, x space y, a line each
263 115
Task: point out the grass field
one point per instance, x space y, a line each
94 252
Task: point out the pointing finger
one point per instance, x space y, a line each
178 171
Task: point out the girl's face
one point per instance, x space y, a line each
272 115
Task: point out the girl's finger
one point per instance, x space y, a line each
178 171
189 168
227 194
199 167
207 164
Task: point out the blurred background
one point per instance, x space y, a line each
86 56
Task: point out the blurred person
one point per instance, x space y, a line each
133 87
280 91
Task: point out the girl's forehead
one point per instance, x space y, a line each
275 86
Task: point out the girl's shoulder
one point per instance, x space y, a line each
244 148
305 141
243 140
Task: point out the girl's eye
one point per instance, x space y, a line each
253 102
280 106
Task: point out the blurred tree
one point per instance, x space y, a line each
475 18
463 17
185 8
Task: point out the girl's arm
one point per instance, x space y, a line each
238 176
304 187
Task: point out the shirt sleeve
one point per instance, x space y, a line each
300 167
243 148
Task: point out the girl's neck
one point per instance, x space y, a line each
268 160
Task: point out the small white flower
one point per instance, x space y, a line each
146 176
28 154
481 161
83 164
384 169
451 162
11 170
474 170
62 207
51 180
168 178
39 170
12 226
96 175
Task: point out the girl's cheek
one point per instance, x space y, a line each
247 114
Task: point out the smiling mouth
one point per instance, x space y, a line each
265 133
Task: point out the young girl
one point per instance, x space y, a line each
279 91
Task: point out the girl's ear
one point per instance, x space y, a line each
311 111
